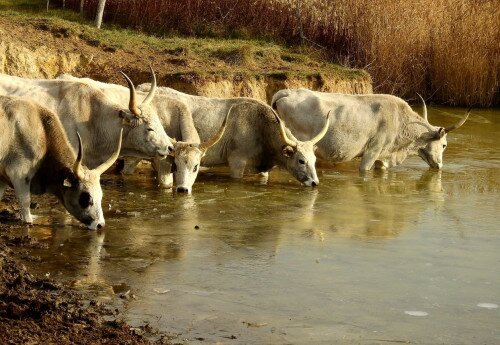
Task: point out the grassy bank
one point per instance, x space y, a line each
445 49
173 56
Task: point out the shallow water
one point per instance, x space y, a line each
410 255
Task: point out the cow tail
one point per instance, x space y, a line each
279 95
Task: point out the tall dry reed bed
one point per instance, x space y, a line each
448 50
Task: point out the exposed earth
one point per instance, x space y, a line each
44 47
36 309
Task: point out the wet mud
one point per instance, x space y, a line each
36 309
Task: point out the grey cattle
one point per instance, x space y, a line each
188 154
177 121
255 136
381 129
36 157
97 118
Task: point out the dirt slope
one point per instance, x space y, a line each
38 47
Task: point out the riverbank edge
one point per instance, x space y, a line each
36 309
37 45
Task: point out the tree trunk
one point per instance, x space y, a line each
100 12
82 4
64 4
48 3
299 19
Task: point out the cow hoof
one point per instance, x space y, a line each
27 222
380 165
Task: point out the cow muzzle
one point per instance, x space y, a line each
182 189
162 154
431 162
96 224
437 166
311 183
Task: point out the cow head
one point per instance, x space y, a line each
299 155
187 158
431 144
146 136
81 192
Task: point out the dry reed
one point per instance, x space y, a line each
447 50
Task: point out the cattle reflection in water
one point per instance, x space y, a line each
226 216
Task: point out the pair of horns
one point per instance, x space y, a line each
78 168
132 105
314 140
450 128
212 141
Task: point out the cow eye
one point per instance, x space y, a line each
195 168
301 161
85 200
150 129
444 146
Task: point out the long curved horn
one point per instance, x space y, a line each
77 167
132 104
152 91
283 131
425 108
107 164
323 131
212 141
458 124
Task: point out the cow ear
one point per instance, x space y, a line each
288 151
440 133
69 178
122 114
129 118
131 122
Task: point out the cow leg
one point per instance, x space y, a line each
369 158
3 186
22 190
164 173
130 165
263 177
237 167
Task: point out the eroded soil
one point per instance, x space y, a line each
40 310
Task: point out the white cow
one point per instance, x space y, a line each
178 123
98 119
382 129
257 131
36 157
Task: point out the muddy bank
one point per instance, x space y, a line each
37 309
46 48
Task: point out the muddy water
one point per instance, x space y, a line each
402 256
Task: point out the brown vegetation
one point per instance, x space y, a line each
447 50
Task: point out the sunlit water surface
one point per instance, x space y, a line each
410 255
